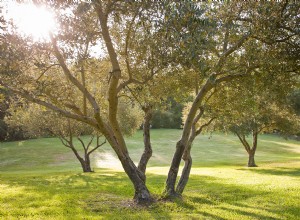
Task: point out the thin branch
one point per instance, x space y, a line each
229 51
225 45
82 144
98 145
64 141
244 141
90 142
49 67
135 81
233 76
204 125
127 44
135 97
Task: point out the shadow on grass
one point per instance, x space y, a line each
283 171
107 194
220 199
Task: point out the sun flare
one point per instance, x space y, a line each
32 20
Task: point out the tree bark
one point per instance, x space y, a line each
250 150
147 141
251 161
183 142
184 175
142 194
85 163
112 131
173 172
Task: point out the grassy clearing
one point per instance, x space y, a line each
39 179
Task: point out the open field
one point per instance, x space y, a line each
40 179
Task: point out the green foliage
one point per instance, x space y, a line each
38 121
294 100
7 133
130 117
255 106
169 116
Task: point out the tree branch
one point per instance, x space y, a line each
244 142
229 51
90 142
97 146
67 114
204 125
82 144
49 67
75 82
64 141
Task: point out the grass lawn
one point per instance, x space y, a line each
40 179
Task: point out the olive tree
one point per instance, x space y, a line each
53 73
223 43
255 107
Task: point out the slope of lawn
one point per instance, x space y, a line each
40 179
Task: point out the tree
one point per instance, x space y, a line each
50 73
253 107
36 121
221 43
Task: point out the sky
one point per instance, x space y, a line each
29 19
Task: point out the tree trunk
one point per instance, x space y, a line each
142 194
185 175
173 172
147 143
251 161
86 166
183 142
85 163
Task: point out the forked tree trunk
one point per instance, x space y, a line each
85 163
147 141
181 145
185 174
250 149
114 136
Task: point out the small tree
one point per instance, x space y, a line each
254 107
36 121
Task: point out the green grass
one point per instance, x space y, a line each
40 179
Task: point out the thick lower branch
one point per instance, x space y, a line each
147 141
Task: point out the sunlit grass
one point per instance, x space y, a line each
39 179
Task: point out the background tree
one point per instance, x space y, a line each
252 107
37 121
